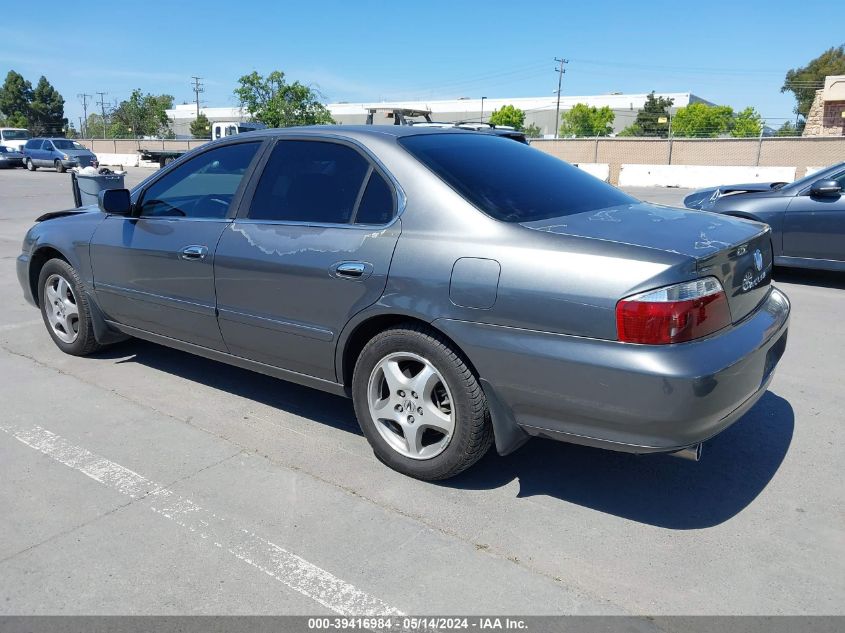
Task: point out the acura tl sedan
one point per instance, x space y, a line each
464 290
807 216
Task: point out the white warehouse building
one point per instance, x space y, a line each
538 110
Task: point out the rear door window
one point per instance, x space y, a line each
310 181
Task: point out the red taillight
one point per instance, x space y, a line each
674 314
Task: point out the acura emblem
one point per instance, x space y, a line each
758 260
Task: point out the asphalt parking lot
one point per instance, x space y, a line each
147 481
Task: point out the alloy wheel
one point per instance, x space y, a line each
411 405
61 308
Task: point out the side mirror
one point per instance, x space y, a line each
825 188
115 201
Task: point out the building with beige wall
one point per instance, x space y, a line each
827 114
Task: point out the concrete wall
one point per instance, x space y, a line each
799 153
698 176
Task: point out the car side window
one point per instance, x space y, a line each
47 145
203 187
310 181
377 204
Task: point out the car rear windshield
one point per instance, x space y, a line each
510 181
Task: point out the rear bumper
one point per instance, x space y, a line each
632 398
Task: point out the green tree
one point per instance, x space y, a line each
789 129
201 127
747 123
584 120
702 120
652 119
141 115
276 103
46 110
804 81
508 115
532 131
15 97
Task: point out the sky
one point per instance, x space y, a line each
728 52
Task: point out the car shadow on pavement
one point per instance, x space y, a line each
654 489
309 403
806 277
658 490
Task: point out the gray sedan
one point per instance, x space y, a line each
10 158
464 290
807 216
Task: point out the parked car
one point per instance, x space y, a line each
461 288
59 153
10 158
807 216
14 137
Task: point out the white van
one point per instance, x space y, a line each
14 137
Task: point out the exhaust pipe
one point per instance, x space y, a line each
692 453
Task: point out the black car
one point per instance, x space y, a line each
807 216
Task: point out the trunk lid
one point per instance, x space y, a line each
738 252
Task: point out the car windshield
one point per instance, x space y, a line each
806 180
63 143
510 181
15 135
4 149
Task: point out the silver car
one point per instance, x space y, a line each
462 289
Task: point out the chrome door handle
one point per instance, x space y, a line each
351 270
194 252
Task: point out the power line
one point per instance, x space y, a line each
84 98
102 103
560 71
198 88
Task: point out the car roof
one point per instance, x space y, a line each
397 131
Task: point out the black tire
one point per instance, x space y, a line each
473 433
59 167
29 165
85 342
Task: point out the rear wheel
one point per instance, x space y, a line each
59 167
65 309
29 165
419 404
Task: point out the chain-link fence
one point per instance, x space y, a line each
800 153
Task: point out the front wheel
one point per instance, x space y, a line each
29 165
65 309
59 167
419 404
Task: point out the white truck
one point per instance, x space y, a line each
219 129
14 137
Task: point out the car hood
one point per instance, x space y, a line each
704 198
93 208
692 233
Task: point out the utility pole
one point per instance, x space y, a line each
482 108
560 70
84 98
102 103
198 88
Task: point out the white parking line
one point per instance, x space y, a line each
291 570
